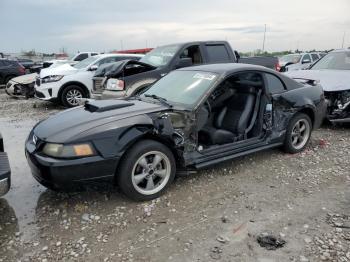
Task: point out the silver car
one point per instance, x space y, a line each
333 73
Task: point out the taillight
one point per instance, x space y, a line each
120 84
21 69
277 67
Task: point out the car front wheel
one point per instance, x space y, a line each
71 95
298 133
146 170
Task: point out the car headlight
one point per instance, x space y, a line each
69 151
53 78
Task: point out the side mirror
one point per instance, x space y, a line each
93 68
237 55
184 62
306 61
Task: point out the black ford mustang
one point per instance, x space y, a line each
192 118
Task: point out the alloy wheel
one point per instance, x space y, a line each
73 96
151 173
300 133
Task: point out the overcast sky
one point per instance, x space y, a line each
103 25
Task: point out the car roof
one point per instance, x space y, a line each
226 68
197 42
118 55
340 50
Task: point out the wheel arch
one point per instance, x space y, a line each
309 111
70 83
149 136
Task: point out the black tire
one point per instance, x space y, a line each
289 146
69 90
130 163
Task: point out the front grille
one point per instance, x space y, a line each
37 81
97 84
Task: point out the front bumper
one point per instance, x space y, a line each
5 174
109 94
47 91
65 173
15 89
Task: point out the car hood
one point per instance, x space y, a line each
113 69
25 79
71 125
65 69
330 80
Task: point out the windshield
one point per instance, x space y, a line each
290 59
335 61
86 62
182 87
160 56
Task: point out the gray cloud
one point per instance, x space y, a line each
48 25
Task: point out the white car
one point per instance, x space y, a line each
67 84
299 61
71 60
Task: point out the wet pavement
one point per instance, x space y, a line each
25 191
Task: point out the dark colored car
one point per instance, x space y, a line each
27 63
128 78
5 171
190 119
10 69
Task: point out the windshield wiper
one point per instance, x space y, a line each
159 98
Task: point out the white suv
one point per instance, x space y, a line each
67 84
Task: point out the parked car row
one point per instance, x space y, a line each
298 61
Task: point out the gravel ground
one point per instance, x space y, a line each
214 215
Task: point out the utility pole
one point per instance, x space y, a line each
342 45
263 48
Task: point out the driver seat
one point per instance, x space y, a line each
232 121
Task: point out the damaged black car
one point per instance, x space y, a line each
190 119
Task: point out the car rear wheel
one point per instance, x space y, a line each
298 133
71 95
146 170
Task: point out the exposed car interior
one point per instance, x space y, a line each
234 111
194 53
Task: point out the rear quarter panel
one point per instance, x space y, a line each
308 99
